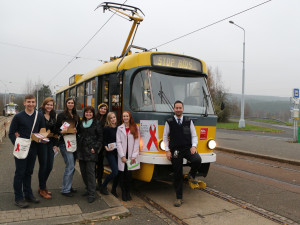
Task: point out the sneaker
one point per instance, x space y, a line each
21 203
69 194
32 199
178 202
103 190
91 199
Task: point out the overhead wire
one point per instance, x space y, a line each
214 23
45 51
76 55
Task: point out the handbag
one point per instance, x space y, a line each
70 142
22 145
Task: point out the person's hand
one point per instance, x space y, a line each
193 150
55 148
43 141
123 159
132 161
111 147
63 131
17 134
75 131
92 151
169 155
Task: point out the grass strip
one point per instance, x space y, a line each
248 127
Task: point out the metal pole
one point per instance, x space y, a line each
242 118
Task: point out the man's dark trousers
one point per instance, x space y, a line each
23 173
177 164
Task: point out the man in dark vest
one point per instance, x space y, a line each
183 144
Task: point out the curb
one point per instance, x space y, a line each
115 209
240 152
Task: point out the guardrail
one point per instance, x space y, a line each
4 126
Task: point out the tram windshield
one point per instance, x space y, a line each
157 92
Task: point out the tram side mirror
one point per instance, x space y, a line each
222 106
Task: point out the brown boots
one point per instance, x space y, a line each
45 193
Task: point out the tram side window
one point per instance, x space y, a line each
72 92
67 94
80 97
57 101
106 93
90 91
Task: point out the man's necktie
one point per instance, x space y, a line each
179 121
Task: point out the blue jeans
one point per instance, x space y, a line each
69 170
23 173
112 158
46 159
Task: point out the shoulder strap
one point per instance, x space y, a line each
36 114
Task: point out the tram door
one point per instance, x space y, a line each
111 94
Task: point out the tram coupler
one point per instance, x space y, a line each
194 184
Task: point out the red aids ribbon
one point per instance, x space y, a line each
152 138
18 147
69 144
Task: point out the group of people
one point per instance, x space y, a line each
97 135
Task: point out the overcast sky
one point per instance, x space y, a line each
65 26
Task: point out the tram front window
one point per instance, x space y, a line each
153 91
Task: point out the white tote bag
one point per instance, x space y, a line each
70 142
22 145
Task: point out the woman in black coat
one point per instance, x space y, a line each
89 145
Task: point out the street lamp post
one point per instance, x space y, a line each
242 120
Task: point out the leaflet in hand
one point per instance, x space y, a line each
55 150
112 146
65 126
131 166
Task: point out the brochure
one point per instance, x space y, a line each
112 146
131 166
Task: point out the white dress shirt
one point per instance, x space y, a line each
167 132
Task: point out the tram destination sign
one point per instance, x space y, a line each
175 61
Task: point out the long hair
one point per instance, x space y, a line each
132 125
45 102
88 108
74 111
108 122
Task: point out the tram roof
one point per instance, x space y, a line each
131 61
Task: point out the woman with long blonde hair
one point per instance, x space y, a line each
109 141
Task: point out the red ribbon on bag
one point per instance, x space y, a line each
69 144
152 138
18 147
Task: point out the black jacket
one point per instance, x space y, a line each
88 138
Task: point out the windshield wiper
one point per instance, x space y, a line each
205 97
164 99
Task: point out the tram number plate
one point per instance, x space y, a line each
175 61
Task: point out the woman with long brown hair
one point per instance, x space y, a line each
101 117
128 141
46 153
68 115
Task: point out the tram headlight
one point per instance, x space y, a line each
211 144
162 145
